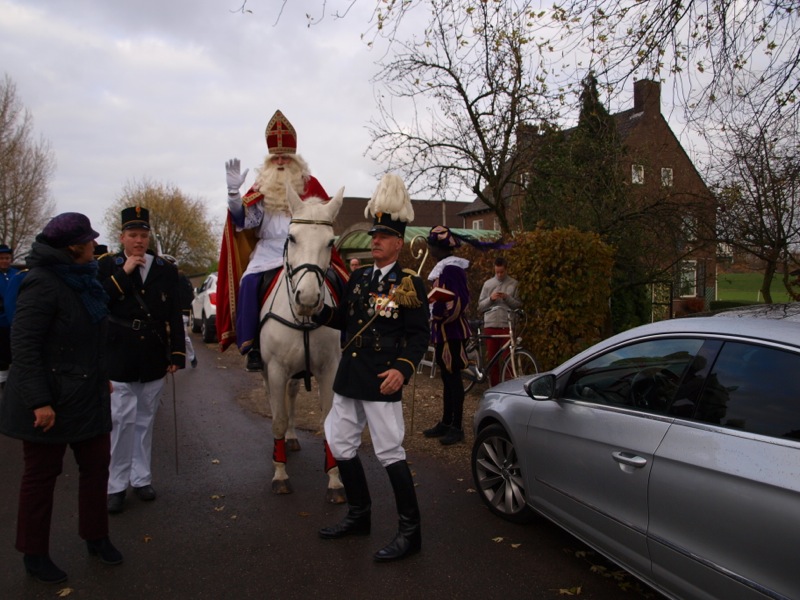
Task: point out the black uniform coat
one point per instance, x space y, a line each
142 343
398 339
59 359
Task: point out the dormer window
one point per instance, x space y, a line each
637 174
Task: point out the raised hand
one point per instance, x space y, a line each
233 175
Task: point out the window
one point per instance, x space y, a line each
496 224
752 388
637 174
477 224
687 284
666 177
644 375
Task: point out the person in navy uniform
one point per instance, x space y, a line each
145 342
385 318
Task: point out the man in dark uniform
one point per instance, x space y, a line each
145 342
385 318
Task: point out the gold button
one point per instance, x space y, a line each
360 321
354 354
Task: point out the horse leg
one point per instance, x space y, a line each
335 493
277 382
292 443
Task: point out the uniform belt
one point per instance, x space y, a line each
377 342
135 324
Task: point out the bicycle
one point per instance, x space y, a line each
517 362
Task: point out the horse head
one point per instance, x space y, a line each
308 249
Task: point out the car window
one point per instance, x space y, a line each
644 375
755 389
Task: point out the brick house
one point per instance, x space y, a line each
656 166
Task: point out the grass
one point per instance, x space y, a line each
744 287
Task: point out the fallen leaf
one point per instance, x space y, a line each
234 517
214 461
64 592
215 497
459 479
304 514
497 539
147 538
219 508
515 546
471 491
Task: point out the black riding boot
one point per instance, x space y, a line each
408 540
359 504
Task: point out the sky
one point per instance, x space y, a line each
168 91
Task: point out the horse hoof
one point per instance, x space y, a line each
335 496
293 444
281 486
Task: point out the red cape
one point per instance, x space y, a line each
234 256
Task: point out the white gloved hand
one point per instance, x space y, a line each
233 176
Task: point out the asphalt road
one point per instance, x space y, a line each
217 531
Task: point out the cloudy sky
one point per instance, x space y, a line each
170 90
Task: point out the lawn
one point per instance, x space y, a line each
744 287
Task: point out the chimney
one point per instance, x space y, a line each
647 97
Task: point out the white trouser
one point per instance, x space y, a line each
347 418
190 355
133 412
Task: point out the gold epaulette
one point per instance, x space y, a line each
406 294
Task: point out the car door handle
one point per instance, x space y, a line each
630 460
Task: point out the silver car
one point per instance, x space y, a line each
673 449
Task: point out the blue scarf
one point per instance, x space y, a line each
83 279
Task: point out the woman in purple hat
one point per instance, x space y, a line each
57 392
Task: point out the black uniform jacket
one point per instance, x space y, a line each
59 360
396 339
142 342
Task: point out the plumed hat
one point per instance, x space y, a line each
135 217
4 249
67 229
281 136
390 207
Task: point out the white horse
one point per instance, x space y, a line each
291 343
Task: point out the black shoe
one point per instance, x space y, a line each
453 436
41 568
437 430
358 519
408 540
254 362
116 502
146 493
105 550
194 362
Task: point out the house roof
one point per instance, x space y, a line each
358 239
427 213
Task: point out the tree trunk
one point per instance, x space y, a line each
766 284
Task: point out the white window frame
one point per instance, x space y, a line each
637 174
477 224
688 279
666 177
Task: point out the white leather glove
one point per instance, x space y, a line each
234 177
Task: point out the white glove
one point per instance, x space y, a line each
234 177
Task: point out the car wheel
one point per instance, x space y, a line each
498 476
208 329
194 323
523 364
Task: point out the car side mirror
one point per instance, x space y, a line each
541 387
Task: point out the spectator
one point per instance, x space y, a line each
498 297
7 272
355 264
58 391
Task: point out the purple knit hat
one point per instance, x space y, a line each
67 229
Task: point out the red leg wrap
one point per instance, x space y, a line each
330 462
279 451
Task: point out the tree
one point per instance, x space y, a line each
26 166
469 87
759 192
178 222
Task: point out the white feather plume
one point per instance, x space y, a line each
391 197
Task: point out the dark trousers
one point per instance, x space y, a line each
43 465
450 371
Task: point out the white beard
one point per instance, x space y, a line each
271 182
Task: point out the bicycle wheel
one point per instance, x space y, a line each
524 365
469 375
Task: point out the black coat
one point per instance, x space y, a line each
59 359
396 340
143 343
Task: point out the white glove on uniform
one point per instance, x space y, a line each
234 177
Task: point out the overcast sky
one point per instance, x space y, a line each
170 90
